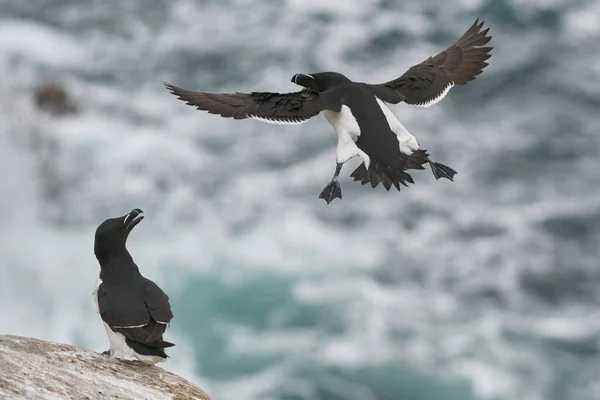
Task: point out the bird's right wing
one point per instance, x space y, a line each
426 83
274 108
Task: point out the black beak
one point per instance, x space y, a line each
304 80
133 218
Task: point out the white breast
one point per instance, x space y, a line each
95 294
343 122
348 131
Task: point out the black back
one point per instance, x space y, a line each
376 138
128 302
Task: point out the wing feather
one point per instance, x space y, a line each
424 83
144 321
277 108
157 303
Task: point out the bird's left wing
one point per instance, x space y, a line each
427 83
274 108
114 316
157 303
143 322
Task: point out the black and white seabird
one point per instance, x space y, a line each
365 126
135 311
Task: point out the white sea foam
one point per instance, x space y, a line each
41 44
430 278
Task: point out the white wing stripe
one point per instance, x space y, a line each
137 326
438 98
280 121
128 327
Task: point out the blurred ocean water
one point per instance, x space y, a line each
484 288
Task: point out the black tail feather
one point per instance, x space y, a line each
387 182
163 343
375 178
416 159
377 174
146 350
157 332
359 173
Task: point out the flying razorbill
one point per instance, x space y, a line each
135 311
358 113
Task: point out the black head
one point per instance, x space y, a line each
111 235
320 81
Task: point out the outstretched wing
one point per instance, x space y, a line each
275 108
427 83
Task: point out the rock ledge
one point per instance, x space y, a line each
32 369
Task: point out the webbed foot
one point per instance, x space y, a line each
442 171
331 192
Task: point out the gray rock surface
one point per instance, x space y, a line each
32 369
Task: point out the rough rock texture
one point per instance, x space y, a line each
32 369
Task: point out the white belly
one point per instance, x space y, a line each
407 142
348 131
118 346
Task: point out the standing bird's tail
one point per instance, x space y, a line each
144 350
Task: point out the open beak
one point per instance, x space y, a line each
133 218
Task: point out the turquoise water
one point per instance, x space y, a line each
484 288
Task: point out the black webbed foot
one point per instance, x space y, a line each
331 192
442 171
106 353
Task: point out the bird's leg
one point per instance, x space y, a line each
333 190
106 353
